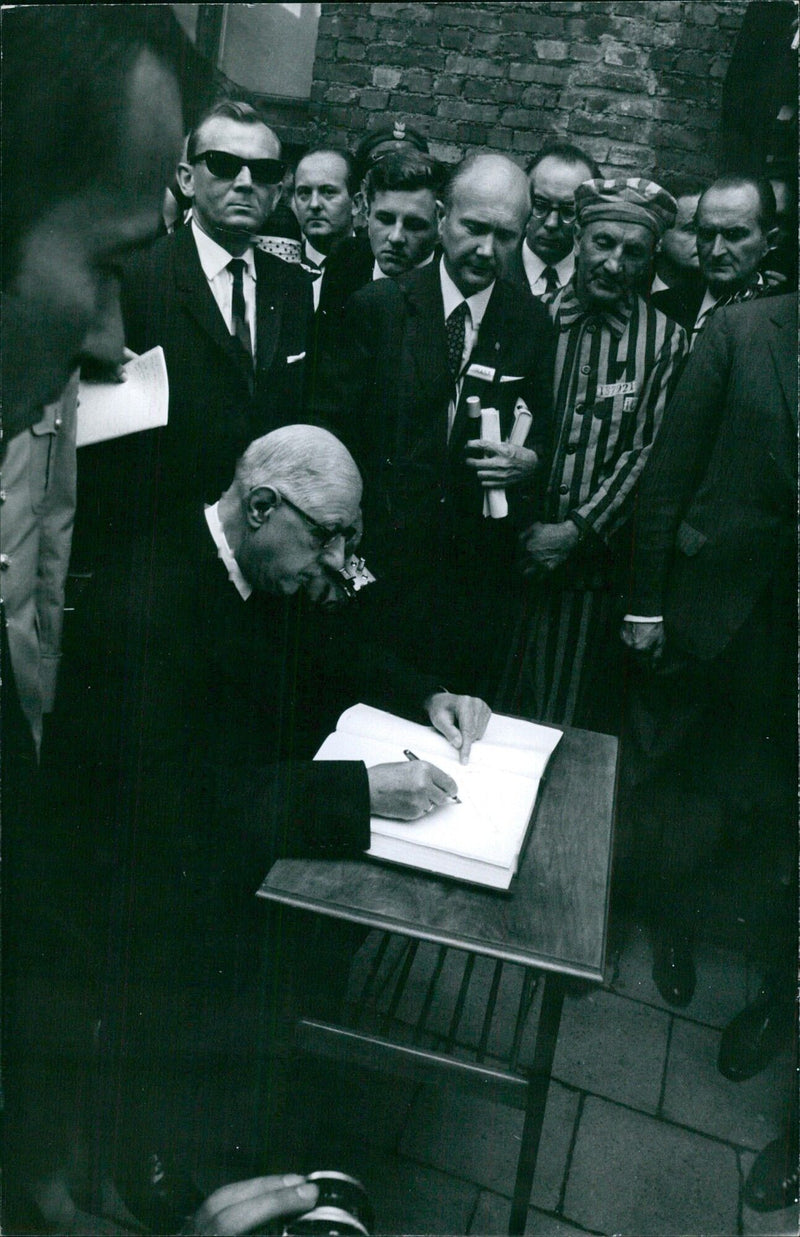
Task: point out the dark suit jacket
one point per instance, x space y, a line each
182 764
388 397
217 405
716 521
347 268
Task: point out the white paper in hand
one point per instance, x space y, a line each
112 409
495 503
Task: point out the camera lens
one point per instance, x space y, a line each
342 1209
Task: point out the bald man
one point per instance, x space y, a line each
414 349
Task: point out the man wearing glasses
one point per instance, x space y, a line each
232 320
554 174
190 752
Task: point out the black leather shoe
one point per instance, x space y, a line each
673 969
755 1036
772 1182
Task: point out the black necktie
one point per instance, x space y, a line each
551 284
238 317
454 326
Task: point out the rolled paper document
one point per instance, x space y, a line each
522 424
473 406
495 503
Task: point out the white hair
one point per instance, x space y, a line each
305 463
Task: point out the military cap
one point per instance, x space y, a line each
395 136
630 200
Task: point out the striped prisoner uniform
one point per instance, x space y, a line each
615 371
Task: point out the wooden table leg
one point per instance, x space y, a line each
538 1083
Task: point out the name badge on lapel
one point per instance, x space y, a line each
485 372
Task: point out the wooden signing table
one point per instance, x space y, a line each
552 924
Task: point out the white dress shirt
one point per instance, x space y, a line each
225 552
310 254
476 308
214 261
535 267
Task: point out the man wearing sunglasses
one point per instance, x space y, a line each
232 321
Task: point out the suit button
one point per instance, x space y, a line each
572 447
591 327
580 408
563 489
586 369
5 562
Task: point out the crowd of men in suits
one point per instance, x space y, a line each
637 473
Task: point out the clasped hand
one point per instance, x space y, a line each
644 638
410 789
498 464
547 546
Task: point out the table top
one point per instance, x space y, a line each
554 916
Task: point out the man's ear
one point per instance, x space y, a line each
576 239
184 174
259 504
772 238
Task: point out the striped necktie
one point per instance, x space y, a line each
551 284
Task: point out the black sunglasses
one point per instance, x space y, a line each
226 166
325 536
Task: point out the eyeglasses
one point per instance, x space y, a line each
564 210
323 535
225 166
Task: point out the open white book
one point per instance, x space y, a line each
479 839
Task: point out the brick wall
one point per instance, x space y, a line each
635 82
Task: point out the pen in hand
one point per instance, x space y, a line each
409 755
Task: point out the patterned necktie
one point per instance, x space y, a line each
454 326
238 317
551 284
703 322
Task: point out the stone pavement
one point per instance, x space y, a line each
642 1135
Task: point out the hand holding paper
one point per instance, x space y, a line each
137 398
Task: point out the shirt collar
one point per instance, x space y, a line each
377 273
710 301
313 255
243 588
568 310
452 297
213 258
658 285
534 266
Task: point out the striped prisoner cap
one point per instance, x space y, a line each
630 200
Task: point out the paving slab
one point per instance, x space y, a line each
413 1198
634 1175
493 1212
613 1047
722 979
471 1137
696 1094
